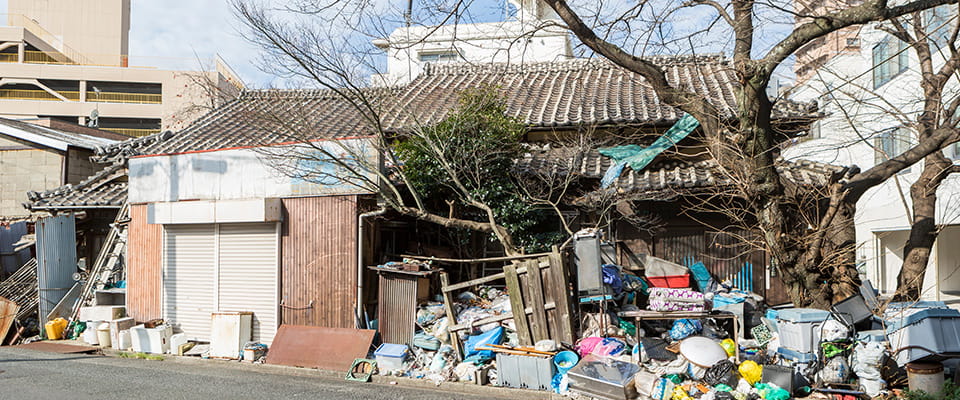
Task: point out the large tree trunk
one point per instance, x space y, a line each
923 229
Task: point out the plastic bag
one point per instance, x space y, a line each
720 373
750 371
833 330
834 371
729 346
772 392
680 394
493 336
609 347
866 360
683 328
663 389
587 344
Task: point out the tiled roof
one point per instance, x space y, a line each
667 179
104 189
54 138
551 94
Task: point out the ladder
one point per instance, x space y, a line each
109 264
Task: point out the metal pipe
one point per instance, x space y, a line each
360 218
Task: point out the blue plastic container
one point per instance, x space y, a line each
565 360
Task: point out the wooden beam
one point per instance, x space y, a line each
538 319
475 260
451 315
558 273
516 303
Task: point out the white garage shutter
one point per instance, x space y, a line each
189 278
248 274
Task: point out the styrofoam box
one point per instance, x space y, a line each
390 356
935 329
799 328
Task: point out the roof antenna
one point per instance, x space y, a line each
408 15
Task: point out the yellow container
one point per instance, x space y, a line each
55 329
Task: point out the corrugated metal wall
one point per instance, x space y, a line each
397 307
56 260
10 262
727 255
144 244
318 261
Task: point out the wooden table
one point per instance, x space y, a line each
641 315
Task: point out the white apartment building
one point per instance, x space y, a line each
69 60
869 89
525 38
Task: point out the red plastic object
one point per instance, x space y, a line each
670 281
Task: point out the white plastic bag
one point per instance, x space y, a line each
833 330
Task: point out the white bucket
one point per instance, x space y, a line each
927 377
124 338
103 334
89 334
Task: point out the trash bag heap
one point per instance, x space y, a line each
679 332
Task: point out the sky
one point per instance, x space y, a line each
187 34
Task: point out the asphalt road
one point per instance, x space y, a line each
28 374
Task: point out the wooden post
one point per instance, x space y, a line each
561 297
451 314
516 304
538 319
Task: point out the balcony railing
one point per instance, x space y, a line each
25 94
132 132
118 97
102 97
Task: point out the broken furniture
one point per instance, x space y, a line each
229 331
646 315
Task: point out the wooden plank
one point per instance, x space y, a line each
516 304
549 292
474 282
558 273
538 319
496 318
476 260
451 314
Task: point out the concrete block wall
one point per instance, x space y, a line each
24 167
79 166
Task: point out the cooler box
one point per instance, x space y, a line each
151 340
796 356
390 356
799 328
935 332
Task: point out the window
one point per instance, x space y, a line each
891 143
890 58
439 57
937 23
853 42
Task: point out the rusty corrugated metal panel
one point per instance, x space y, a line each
397 307
144 245
319 261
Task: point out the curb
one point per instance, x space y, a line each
449 387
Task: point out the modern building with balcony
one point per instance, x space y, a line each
69 60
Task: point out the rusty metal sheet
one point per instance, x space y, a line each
318 253
61 348
331 349
8 312
144 267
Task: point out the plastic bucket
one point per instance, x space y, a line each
103 334
565 360
927 377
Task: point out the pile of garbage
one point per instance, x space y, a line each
858 348
431 354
